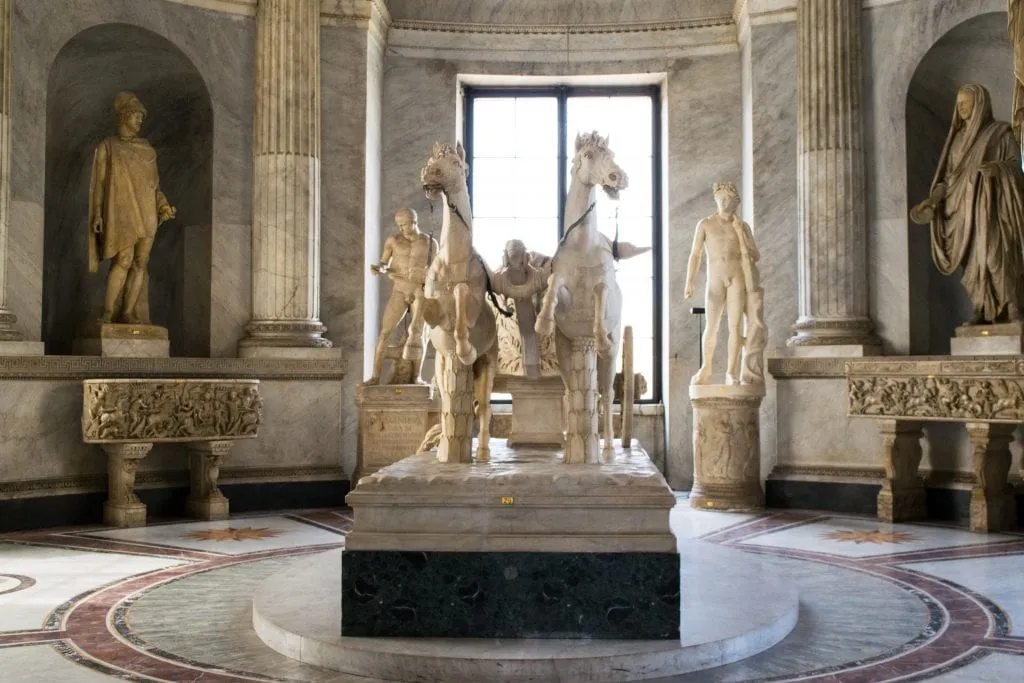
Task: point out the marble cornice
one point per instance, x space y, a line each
96 367
807 368
87 483
561 29
872 475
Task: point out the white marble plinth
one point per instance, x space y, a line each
726 447
393 419
830 351
122 340
732 609
1001 339
22 348
524 499
537 410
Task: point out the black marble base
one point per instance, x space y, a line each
510 595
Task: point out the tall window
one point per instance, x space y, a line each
520 145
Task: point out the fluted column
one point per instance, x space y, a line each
833 232
286 181
7 319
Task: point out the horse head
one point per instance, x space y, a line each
445 171
594 164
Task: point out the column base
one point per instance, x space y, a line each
831 332
294 339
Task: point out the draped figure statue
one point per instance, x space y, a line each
1015 11
976 209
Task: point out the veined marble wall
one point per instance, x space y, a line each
701 99
547 12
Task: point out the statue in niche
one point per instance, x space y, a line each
405 259
125 208
976 209
522 277
733 282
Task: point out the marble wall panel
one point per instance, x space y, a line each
343 149
41 435
813 429
218 45
25 267
897 38
547 12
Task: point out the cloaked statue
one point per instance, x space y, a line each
976 209
125 208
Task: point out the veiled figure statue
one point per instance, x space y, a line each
976 209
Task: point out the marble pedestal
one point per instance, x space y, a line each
392 421
519 546
726 447
119 340
1000 339
22 348
537 410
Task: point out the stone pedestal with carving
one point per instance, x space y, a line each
123 508
392 421
118 340
902 497
540 549
127 416
205 501
537 410
1000 339
726 447
581 403
993 501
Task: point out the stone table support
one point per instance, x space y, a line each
11 341
902 497
123 508
993 503
205 501
286 183
832 245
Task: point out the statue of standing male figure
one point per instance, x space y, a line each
125 208
733 286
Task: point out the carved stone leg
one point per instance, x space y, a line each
902 494
123 508
205 501
993 504
455 385
581 403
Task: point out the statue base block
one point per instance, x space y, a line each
536 410
117 340
392 421
521 546
726 447
999 339
22 348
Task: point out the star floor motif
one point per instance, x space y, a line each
246 533
876 536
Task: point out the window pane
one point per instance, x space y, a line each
493 118
534 191
492 179
536 127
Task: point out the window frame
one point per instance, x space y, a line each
562 93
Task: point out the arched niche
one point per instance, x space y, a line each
83 80
976 51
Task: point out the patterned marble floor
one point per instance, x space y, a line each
171 602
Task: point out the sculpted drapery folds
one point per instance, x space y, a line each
976 209
1015 10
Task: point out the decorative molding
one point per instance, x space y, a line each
929 366
332 12
868 475
88 483
807 368
560 29
98 367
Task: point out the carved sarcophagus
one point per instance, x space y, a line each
176 410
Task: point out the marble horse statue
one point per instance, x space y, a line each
462 326
583 302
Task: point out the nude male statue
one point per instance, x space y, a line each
125 208
405 259
733 281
